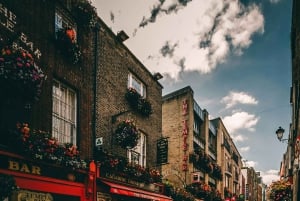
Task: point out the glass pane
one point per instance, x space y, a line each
64 114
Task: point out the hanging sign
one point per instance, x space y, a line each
162 151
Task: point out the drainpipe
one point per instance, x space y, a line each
95 169
96 31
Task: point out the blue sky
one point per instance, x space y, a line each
235 54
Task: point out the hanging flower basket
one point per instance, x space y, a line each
126 134
280 190
138 103
145 107
20 77
7 186
66 39
85 13
132 96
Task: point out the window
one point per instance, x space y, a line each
137 155
58 22
135 83
63 21
64 113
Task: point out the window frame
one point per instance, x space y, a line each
67 120
140 149
142 90
66 21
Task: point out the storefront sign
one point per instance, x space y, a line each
23 195
185 135
23 167
7 18
26 44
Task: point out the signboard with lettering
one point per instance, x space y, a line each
26 195
7 18
162 151
38 168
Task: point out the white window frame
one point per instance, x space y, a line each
62 21
133 82
58 22
139 151
64 113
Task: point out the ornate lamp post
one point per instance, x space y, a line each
279 133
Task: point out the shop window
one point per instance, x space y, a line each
137 155
64 113
135 83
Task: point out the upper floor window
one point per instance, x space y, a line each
137 155
135 83
64 113
63 21
58 22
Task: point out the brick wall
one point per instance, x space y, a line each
115 63
36 20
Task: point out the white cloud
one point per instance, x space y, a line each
240 120
238 97
270 176
223 27
244 149
251 164
238 138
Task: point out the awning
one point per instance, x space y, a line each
133 192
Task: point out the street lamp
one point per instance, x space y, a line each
279 133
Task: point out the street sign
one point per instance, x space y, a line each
99 141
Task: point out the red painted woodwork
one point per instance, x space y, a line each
133 192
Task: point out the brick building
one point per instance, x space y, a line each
194 156
201 150
292 170
230 160
88 85
45 54
127 95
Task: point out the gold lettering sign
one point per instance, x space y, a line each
23 195
23 167
7 18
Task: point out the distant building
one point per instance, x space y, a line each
200 150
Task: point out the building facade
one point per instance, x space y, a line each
202 154
128 123
253 184
81 115
295 126
46 103
230 160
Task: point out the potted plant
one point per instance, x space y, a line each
85 13
138 103
66 38
126 134
40 145
132 96
145 107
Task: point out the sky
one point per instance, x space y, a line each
234 54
